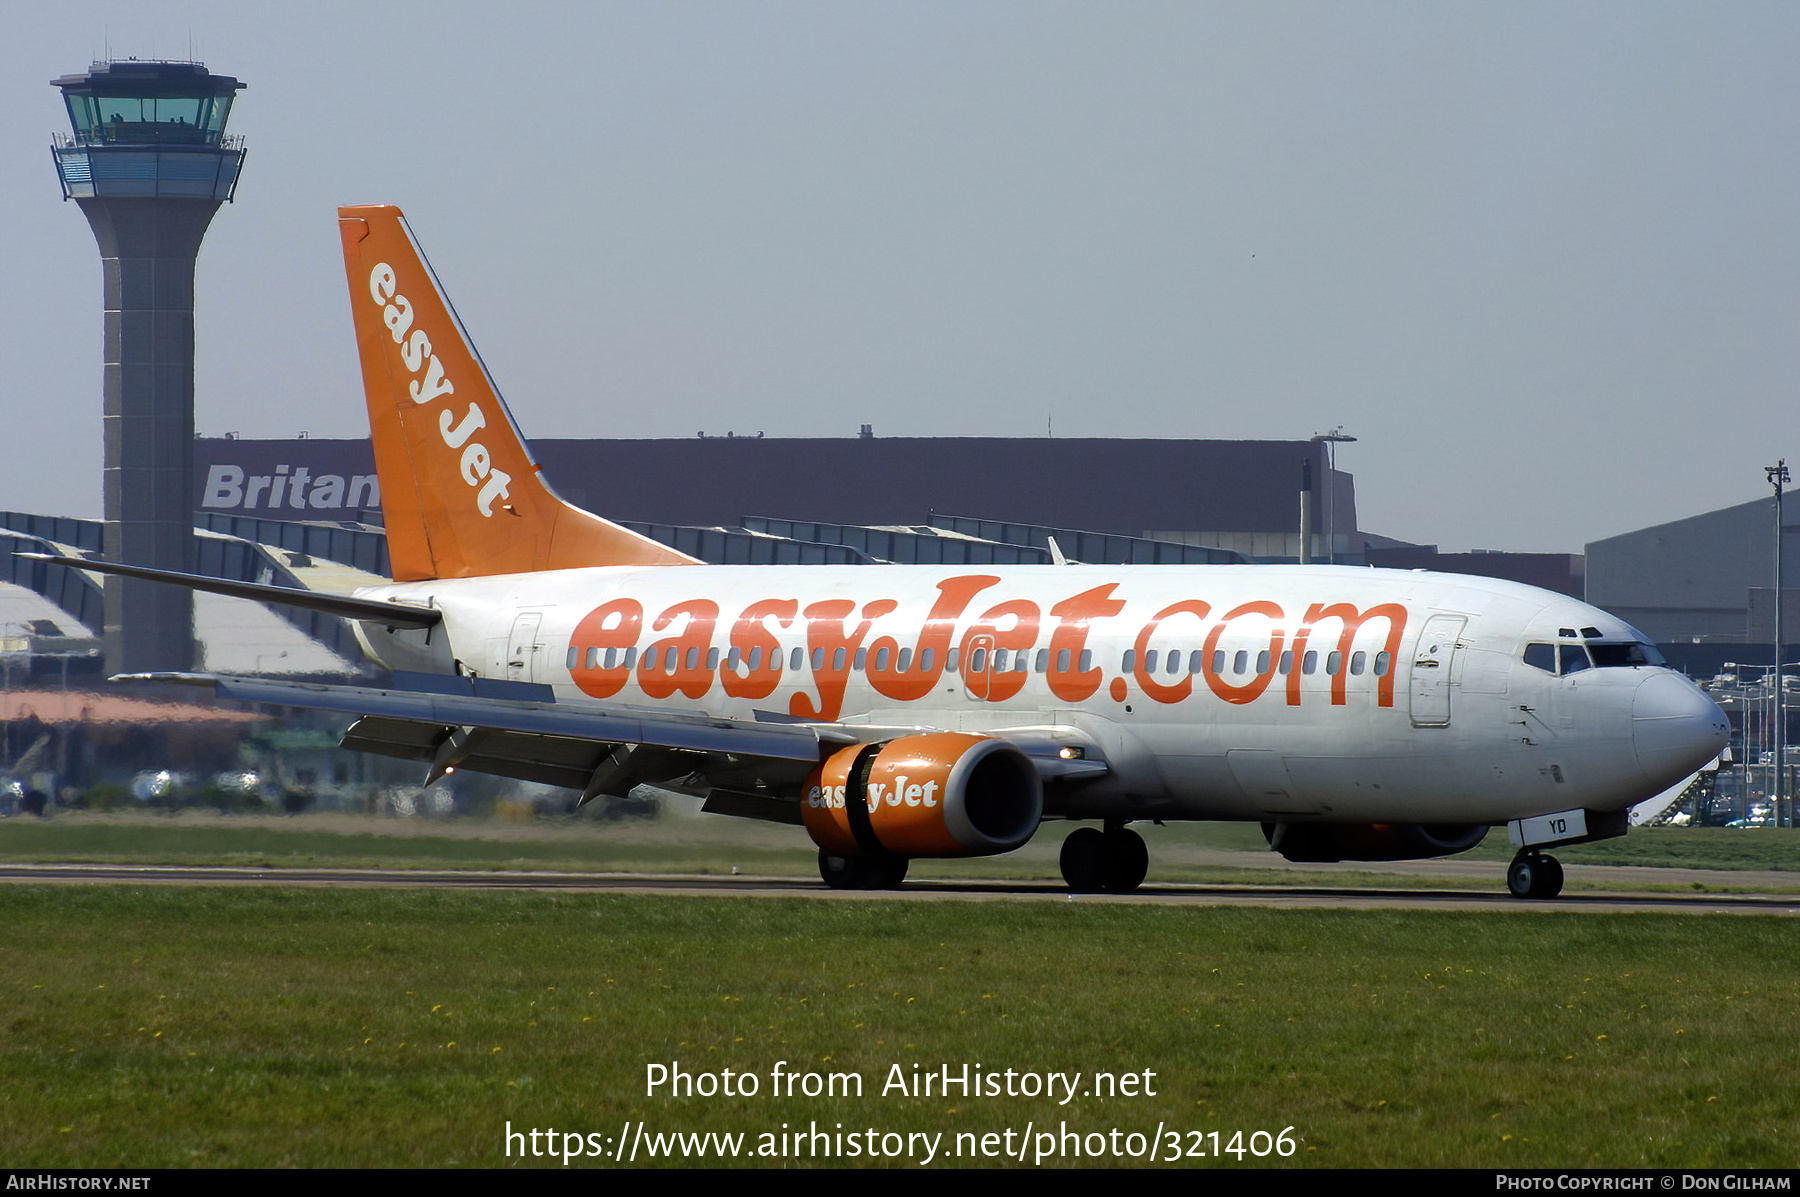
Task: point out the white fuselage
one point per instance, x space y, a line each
1211 692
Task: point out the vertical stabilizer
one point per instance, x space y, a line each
460 493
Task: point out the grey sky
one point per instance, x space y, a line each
1540 258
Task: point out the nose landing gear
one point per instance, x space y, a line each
1534 875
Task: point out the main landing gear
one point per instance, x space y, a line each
862 872
1113 861
1534 875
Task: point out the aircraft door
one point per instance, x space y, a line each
522 648
1433 670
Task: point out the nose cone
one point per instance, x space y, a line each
1675 728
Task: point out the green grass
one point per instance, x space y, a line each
164 1026
1208 853
356 842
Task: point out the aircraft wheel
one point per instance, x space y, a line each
839 872
1084 860
887 872
1521 875
1550 878
862 872
1533 875
1127 860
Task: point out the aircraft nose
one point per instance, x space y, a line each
1675 728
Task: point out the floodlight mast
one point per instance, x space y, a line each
1784 815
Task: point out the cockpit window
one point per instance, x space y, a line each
1614 656
1607 655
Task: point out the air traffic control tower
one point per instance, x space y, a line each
149 162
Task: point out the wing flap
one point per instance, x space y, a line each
548 760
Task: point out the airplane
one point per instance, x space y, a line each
897 712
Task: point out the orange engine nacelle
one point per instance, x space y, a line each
945 794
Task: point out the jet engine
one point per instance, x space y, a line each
942 794
1315 842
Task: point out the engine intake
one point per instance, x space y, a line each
944 794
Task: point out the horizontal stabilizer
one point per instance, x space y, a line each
393 615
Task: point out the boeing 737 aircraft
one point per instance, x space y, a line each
899 712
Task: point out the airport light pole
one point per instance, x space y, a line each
1331 440
1784 817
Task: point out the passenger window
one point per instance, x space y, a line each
797 660
1087 659
1541 656
1574 659
881 660
926 657
1062 660
1174 665
734 658
712 658
1043 660
693 657
1240 663
862 659
756 659
611 658
1218 661
574 656
1195 660
1357 662
1310 662
837 661
630 656
1262 662
1382 662
1129 660
1150 661
1333 663
950 659
1022 661
1287 663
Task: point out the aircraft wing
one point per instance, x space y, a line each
752 768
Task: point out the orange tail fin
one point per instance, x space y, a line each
460 492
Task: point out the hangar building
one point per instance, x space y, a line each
1706 579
